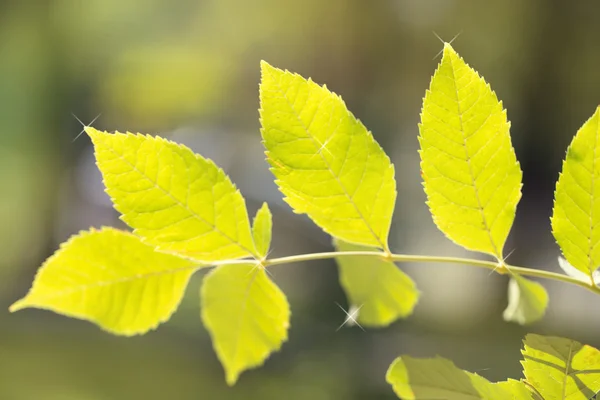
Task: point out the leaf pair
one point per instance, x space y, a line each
554 369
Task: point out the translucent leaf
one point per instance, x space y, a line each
527 301
518 390
326 162
438 378
261 230
246 315
380 291
174 199
470 171
575 273
576 216
111 278
561 369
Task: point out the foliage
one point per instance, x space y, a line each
186 214
554 368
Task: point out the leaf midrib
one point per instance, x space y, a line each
468 161
95 285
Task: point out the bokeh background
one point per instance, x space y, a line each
189 70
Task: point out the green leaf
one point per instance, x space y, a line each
576 216
518 390
111 278
326 162
261 230
438 378
527 301
561 368
174 199
470 171
377 288
246 315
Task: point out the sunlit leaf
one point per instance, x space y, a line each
576 216
561 369
246 315
111 278
527 301
174 199
261 230
471 174
518 390
438 378
378 289
326 162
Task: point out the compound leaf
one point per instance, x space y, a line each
111 278
438 378
325 161
561 369
471 174
246 315
261 230
174 199
576 216
527 301
377 288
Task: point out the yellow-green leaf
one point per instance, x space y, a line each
470 171
326 162
518 390
576 216
261 230
527 301
377 288
246 314
438 378
111 278
174 199
561 369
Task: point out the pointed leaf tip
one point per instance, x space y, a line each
266 67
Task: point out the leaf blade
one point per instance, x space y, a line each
438 378
561 368
262 230
471 175
326 163
243 338
118 267
378 288
576 215
174 199
527 301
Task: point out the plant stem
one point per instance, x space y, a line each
492 265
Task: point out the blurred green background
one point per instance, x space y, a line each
189 70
